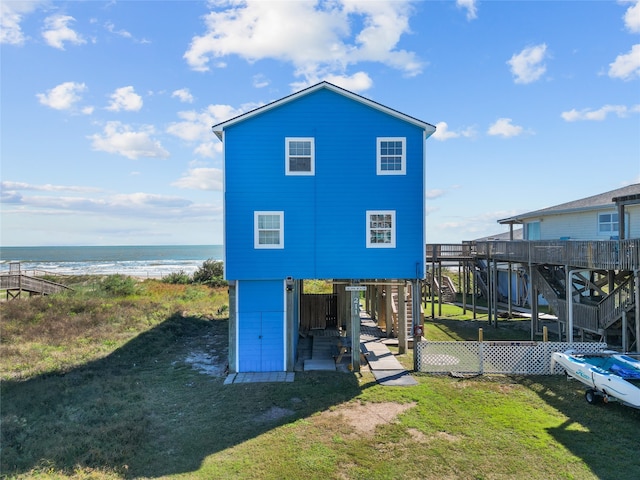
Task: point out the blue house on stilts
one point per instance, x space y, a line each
321 184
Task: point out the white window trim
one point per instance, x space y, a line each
393 228
313 155
600 222
256 230
614 233
403 169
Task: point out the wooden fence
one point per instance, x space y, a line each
318 311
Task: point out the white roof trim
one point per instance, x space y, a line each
427 127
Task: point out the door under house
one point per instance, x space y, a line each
261 326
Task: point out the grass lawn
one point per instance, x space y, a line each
97 386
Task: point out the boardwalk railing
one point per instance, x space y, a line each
19 282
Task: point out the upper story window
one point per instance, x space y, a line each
608 224
391 156
300 156
381 229
268 230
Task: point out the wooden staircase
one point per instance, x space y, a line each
446 291
408 309
17 283
596 317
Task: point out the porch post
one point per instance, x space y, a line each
416 320
402 319
355 330
291 293
636 288
388 309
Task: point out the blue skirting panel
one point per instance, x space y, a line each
261 325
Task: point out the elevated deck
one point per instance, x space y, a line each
593 255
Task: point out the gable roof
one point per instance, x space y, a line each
427 127
596 202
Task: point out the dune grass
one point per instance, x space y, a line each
107 387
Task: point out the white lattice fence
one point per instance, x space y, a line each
518 358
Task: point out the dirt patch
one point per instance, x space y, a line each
420 437
365 417
274 413
207 363
208 354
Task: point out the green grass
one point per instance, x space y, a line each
111 392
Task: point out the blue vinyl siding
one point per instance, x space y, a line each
260 326
325 214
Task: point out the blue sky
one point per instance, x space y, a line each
107 107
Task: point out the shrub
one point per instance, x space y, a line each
210 273
118 285
177 278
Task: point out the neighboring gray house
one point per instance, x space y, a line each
582 257
598 217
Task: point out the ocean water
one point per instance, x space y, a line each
141 261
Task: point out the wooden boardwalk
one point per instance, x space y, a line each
16 283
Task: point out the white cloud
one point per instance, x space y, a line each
56 31
63 96
196 126
208 149
260 81
139 199
322 44
504 128
125 98
527 66
470 6
600 114
11 15
122 140
201 179
443 133
130 205
434 193
358 82
632 16
12 186
627 66
111 28
184 95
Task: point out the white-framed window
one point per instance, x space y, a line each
381 229
300 156
268 229
608 224
391 156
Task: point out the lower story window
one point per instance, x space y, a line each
381 229
269 229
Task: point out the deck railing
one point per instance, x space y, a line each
599 254
612 306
